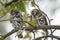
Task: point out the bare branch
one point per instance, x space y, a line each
56 37
33 28
36 5
13 1
43 27
10 33
4 20
1 3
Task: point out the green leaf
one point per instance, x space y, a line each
12 5
38 39
33 3
43 33
24 24
20 5
27 35
33 22
1 38
3 12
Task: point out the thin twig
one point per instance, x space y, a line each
56 37
1 3
34 34
53 31
36 5
4 20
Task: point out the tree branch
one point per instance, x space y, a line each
10 33
43 27
4 20
56 37
32 28
13 1
1 3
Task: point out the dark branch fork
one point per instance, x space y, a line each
56 37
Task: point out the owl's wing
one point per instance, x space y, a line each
47 18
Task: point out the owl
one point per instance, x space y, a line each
40 18
16 20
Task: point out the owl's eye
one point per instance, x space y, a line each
34 12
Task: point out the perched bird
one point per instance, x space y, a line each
40 18
16 20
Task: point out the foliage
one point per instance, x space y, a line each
27 35
33 3
2 38
7 5
20 4
33 22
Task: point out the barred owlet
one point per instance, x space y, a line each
40 18
16 15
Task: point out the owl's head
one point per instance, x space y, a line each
35 12
14 12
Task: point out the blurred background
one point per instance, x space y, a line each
50 7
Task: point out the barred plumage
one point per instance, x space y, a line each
16 20
40 18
